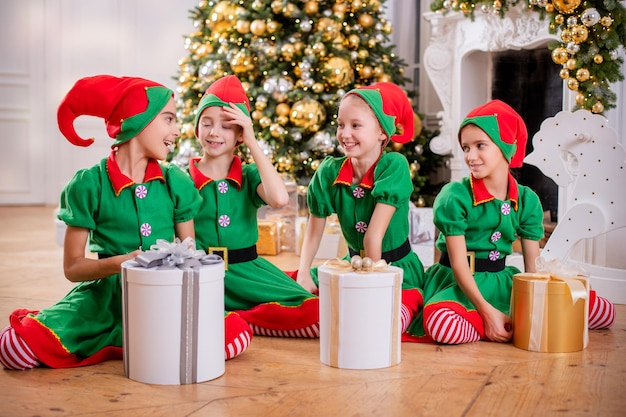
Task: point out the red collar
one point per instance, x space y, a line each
482 195
200 180
346 173
121 181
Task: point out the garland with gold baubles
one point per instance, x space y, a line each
591 33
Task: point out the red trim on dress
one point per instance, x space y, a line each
46 345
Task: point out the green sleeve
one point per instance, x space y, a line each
80 199
451 208
392 180
252 180
185 196
321 187
531 215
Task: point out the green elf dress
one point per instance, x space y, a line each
388 181
256 289
490 227
85 327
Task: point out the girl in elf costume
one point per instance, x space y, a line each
479 218
369 189
268 299
125 202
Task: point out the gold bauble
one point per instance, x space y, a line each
414 167
276 6
265 121
282 109
366 71
260 105
564 73
329 28
417 125
222 11
290 10
566 35
219 29
363 54
318 88
339 8
566 6
598 59
319 49
606 21
597 107
560 55
385 78
354 41
287 51
579 33
580 99
572 84
356 5
366 20
242 62
256 115
571 64
582 74
315 164
371 43
311 8
282 120
257 27
284 163
549 7
307 114
242 26
340 71
276 130
396 146
272 26
559 19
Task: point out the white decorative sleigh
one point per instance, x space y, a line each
582 155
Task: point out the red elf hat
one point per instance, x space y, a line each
392 108
504 126
127 105
225 90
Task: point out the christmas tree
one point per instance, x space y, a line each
296 59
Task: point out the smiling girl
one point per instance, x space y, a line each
368 189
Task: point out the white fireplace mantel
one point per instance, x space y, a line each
459 65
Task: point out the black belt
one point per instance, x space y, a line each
389 256
234 256
480 265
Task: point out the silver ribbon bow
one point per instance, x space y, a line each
177 254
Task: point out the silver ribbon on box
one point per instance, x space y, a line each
184 256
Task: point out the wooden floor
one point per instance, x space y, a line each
284 377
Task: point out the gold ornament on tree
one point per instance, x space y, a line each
307 114
566 6
341 72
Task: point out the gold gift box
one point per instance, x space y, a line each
269 237
549 313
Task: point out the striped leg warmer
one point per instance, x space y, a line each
14 352
446 326
601 313
312 331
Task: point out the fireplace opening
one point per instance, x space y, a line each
529 82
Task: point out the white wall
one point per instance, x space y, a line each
51 44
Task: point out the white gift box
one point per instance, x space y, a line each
360 321
173 323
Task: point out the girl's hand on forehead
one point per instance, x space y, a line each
236 116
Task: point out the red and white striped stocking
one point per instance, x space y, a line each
14 352
601 313
446 326
312 331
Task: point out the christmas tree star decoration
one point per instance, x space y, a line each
590 32
296 60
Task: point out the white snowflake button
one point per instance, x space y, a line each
141 191
496 236
358 192
361 227
505 209
494 255
224 220
222 187
146 229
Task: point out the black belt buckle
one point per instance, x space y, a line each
221 251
